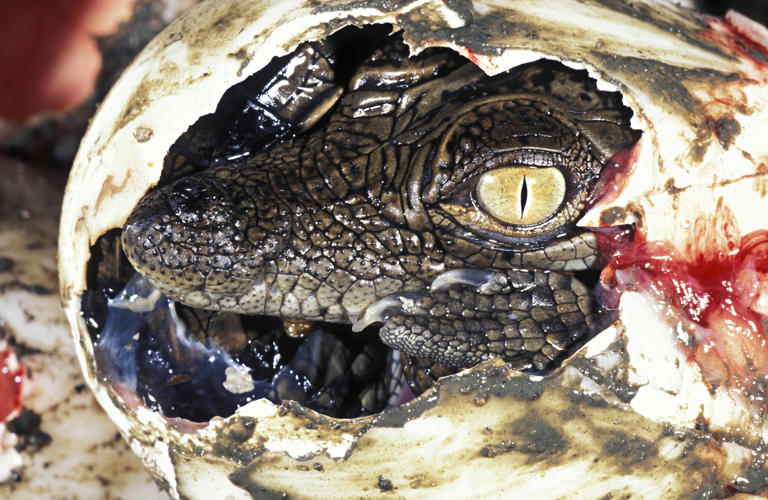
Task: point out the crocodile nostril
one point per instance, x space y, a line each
142 243
138 232
195 201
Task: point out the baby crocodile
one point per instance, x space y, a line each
423 195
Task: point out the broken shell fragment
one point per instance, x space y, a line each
666 401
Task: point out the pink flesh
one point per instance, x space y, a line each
615 175
717 289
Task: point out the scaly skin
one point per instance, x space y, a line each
353 220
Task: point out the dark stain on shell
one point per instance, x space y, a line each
495 449
28 428
241 478
17 284
725 128
384 484
244 58
612 216
628 449
670 187
6 264
534 436
536 432
669 85
668 82
229 443
680 27
404 414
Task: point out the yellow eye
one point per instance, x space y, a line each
521 195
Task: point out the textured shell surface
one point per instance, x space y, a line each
666 402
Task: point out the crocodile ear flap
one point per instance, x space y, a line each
317 107
530 319
304 89
289 95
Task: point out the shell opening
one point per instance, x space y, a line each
195 364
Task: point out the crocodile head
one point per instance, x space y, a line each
418 193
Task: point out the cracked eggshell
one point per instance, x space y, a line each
623 416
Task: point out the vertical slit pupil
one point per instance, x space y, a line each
523 197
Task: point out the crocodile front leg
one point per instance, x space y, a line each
527 318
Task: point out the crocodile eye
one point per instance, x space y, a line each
521 195
511 172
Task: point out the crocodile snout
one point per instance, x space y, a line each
192 241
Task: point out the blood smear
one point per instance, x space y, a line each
744 37
717 288
11 380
